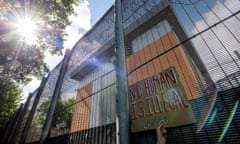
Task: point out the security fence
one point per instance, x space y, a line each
182 64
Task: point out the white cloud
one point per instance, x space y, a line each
79 22
220 10
31 87
223 51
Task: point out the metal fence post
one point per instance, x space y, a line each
11 126
122 94
56 94
30 117
20 120
15 126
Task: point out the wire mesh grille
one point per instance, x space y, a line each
200 39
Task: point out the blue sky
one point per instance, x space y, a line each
89 12
98 8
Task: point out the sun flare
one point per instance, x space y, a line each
26 28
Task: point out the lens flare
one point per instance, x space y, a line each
210 109
229 121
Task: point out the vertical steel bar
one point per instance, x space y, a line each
80 137
122 94
10 127
75 137
14 129
34 107
20 120
56 94
104 134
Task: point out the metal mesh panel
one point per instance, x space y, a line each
35 129
90 80
202 45
200 39
25 117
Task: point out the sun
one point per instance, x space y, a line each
26 28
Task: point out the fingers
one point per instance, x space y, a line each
159 130
161 134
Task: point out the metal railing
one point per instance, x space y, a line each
198 38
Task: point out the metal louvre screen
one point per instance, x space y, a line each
201 41
184 47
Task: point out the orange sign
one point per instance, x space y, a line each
159 99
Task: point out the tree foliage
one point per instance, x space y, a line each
13 95
18 59
62 116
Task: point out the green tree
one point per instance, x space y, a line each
19 60
62 115
13 95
